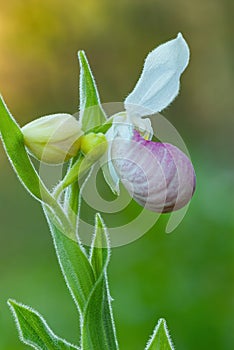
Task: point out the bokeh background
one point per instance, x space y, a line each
186 276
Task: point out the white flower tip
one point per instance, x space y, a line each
160 79
184 50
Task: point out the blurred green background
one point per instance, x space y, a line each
187 276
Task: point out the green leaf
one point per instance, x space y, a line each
99 253
160 339
34 331
102 128
98 331
13 142
71 196
92 114
75 265
71 201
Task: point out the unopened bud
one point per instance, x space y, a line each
54 138
93 145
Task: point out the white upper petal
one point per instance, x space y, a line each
160 79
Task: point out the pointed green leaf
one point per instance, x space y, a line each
160 339
98 331
92 114
75 266
102 128
71 202
13 142
71 196
99 254
34 331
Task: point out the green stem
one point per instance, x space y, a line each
76 171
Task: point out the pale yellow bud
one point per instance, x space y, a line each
54 138
93 145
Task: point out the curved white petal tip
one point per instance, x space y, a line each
160 79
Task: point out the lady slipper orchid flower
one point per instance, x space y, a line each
158 175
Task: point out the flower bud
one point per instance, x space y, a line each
93 145
54 138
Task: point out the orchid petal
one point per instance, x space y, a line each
157 175
108 169
123 126
159 82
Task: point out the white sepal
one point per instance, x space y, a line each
108 169
160 79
